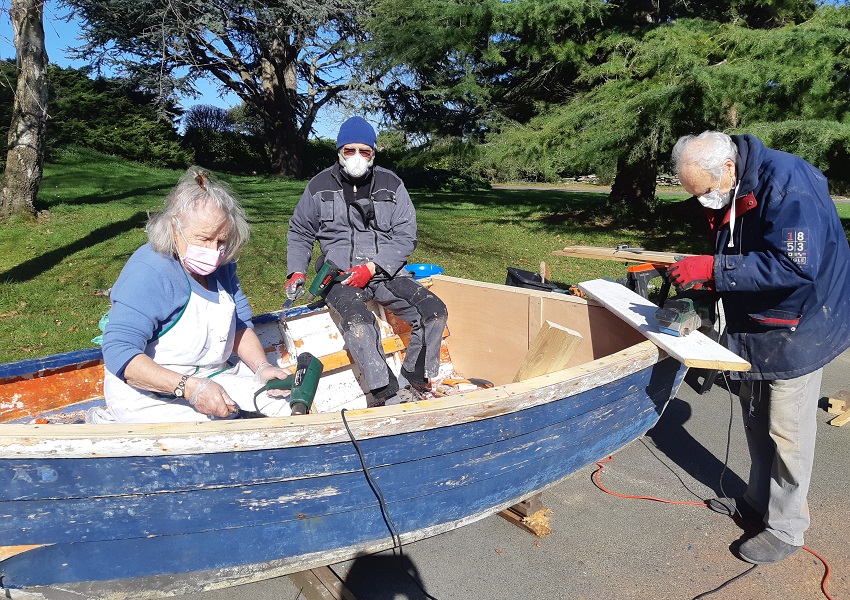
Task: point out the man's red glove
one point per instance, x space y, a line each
359 276
693 272
294 288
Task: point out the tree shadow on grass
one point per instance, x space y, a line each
40 264
105 198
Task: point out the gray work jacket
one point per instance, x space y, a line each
381 229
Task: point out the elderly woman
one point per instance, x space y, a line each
178 314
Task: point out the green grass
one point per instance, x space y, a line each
51 269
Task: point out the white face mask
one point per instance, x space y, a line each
715 198
355 166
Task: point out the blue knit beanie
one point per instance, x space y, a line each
356 130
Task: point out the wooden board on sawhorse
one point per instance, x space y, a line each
321 584
840 405
530 514
621 255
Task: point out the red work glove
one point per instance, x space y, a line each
359 276
295 286
693 272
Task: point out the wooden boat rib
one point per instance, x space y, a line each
124 510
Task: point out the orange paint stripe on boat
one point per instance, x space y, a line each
30 397
10 551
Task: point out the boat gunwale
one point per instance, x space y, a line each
43 441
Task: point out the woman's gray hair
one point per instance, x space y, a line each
708 150
195 190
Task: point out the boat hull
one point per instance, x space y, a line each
270 511
151 510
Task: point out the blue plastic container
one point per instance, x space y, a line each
423 270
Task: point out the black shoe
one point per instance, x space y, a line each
736 507
766 548
405 395
416 382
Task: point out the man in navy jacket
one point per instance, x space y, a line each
780 267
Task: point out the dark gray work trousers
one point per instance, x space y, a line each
408 300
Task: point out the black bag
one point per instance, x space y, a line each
529 279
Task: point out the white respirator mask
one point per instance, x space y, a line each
356 166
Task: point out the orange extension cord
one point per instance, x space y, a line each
595 478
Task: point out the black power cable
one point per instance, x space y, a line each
722 491
723 585
384 511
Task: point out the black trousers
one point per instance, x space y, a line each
408 300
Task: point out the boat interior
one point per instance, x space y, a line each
496 335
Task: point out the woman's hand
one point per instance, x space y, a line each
209 398
267 372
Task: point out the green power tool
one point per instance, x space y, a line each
678 317
303 384
325 277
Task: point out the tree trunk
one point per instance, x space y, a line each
634 184
286 149
280 98
25 156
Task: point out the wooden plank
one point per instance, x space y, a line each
646 256
337 360
693 350
837 407
536 523
9 551
551 351
321 584
839 403
530 505
841 419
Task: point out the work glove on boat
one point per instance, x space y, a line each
294 288
693 273
359 276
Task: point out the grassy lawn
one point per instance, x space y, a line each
51 270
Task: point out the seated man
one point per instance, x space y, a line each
365 223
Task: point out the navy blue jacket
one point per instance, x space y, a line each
784 280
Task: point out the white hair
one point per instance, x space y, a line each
708 150
195 190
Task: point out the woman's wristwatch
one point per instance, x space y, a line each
180 390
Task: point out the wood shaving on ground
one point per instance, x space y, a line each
538 522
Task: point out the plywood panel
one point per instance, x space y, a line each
693 350
489 328
551 351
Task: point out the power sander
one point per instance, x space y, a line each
678 317
303 383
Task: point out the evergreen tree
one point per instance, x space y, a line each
285 59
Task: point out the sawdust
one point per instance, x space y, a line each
538 522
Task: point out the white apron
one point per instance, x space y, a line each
199 343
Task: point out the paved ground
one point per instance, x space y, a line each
622 549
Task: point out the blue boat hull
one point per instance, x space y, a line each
141 518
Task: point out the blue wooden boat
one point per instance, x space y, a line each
130 510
